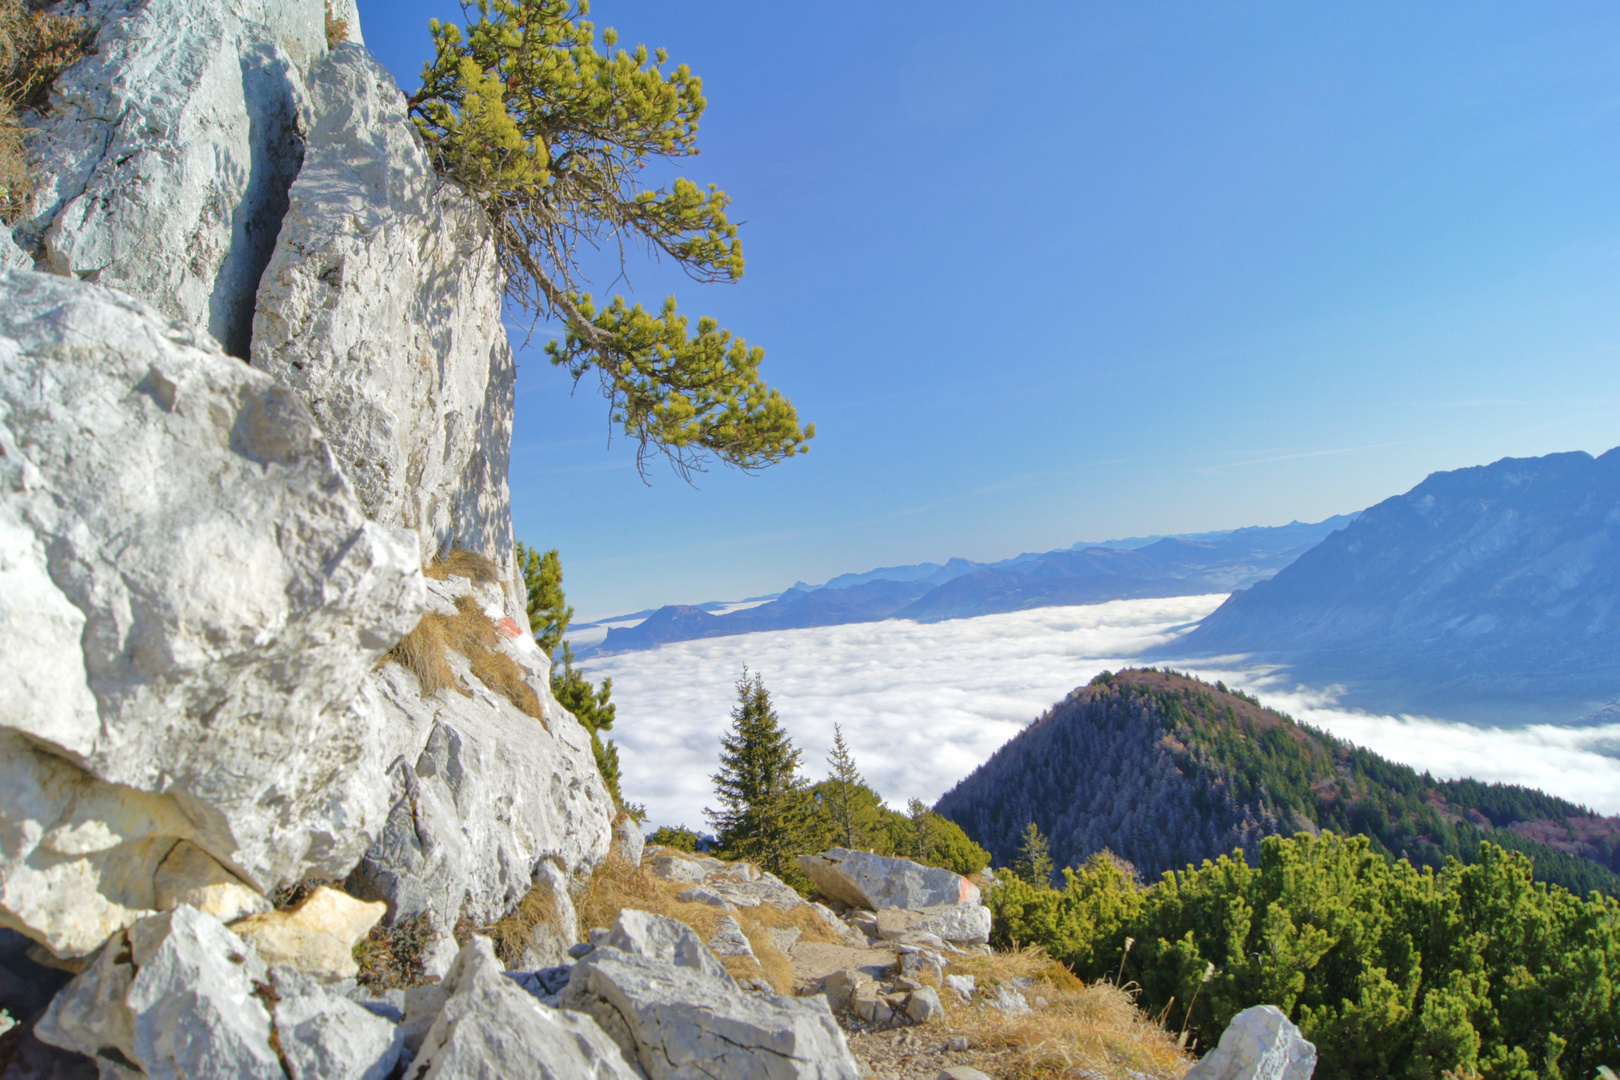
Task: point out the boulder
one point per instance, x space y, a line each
673 865
962 986
628 843
322 1036
959 923
840 987
482 792
163 164
316 936
381 307
861 879
923 1006
729 940
177 995
189 602
665 998
1260 1043
556 929
490 1028
1009 1001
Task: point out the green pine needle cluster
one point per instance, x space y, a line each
551 136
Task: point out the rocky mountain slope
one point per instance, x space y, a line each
927 592
1495 583
1165 770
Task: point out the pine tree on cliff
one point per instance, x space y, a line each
766 812
551 136
549 612
592 706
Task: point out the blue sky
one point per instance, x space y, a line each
1061 271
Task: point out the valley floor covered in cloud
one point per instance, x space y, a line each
921 704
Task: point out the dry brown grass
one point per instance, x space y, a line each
1083 1030
34 49
425 650
424 653
337 30
616 885
511 934
470 565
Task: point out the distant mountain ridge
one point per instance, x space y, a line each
1495 582
960 588
1166 770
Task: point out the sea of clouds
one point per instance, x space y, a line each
921 704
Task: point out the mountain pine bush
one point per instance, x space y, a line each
1391 970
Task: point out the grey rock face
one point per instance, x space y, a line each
482 794
1009 1001
862 879
1259 1044
554 933
164 162
923 1006
326 1037
189 601
961 923
729 940
174 997
628 843
662 995
489 1028
381 307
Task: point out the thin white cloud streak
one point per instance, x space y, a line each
923 704
1298 456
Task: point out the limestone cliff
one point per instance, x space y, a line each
204 562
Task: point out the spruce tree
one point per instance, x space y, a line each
1034 862
843 809
766 812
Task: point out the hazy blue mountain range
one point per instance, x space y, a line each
1164 770
960 588
1495 586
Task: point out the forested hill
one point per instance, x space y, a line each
1166 770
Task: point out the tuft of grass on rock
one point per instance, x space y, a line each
511 935
468 564
425 650
337 30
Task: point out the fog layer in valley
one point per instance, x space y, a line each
921 704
